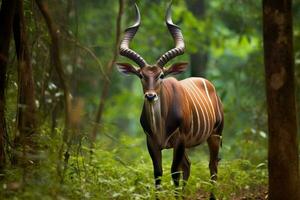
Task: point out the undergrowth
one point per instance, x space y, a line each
122 169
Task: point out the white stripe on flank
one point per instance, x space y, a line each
196 108
212 107
205 99
195 88
193 92
194 105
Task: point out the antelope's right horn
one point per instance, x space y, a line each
177 37
128 36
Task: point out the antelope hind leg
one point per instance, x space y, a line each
214 142
185 165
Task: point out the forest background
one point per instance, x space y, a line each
102 154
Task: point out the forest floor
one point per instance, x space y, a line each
125 172
259 193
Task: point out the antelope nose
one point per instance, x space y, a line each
150 96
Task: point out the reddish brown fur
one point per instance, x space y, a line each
176 114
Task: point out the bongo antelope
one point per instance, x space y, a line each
176 114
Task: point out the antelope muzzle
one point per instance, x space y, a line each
151 96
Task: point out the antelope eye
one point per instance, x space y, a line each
161 76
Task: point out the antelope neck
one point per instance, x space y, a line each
155 112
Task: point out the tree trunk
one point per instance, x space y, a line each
198 59
279 72
26 110
6 21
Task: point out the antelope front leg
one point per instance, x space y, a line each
178 155
155 154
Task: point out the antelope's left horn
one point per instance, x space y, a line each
177 37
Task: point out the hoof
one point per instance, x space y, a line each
212 197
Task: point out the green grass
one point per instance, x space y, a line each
123 170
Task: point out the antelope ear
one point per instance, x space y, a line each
176 68
127 69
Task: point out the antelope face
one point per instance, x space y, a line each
151 76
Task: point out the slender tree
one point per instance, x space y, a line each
26 110
55 54
279 72
6 22
199 58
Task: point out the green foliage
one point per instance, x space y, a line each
119 166
123 170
